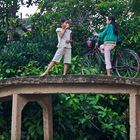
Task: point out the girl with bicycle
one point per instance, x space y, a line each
110 37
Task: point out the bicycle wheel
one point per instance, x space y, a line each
127 64
91 63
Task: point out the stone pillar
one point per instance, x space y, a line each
19 101
134 103
46 104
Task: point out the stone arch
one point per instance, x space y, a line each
30 118
19 102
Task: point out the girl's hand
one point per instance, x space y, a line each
95 34
68 41
67 26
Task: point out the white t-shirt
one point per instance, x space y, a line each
62 41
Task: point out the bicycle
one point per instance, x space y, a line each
125 62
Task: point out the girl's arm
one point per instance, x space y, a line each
102 34
69 41
70 38
61 34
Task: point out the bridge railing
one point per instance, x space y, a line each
27 89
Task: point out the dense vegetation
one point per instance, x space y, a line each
77 117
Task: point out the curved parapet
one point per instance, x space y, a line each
67 84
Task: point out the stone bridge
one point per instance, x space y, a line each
23 90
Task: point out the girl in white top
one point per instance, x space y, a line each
64 47
64 41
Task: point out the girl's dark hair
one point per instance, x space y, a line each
115 25
63 20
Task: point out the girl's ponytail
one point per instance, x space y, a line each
115 25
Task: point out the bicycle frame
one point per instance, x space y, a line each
120 60
100 55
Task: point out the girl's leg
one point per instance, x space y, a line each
67 60
56 59
108 71
49 68
66 67
102 48
107 49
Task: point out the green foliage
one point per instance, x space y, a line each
32 122
134 4
85 117
5 120
5 136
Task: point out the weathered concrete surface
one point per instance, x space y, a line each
19 102
67 84
134 117
26 89
70 79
